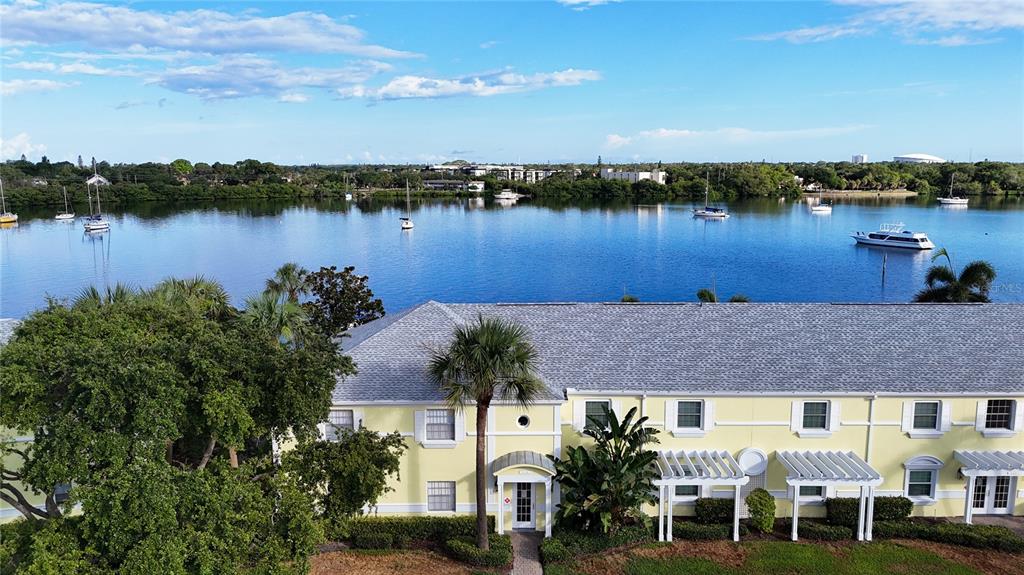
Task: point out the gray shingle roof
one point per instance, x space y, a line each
7 327
716 349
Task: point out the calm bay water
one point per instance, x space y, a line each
532 251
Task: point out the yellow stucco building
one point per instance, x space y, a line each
808 401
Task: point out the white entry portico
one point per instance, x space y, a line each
525 471
991 480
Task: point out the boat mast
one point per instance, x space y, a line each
3 200
951 176
408 208
707 176
65 199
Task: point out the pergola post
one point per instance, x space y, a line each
969 500
796 511
736 516
870 514
670 491
661 513
501 506
861 504
547 508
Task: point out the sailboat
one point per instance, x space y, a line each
951 200
820 207
67 214
95 222
407 221
707 211
5 216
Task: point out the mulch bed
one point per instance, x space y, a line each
406 562
984 560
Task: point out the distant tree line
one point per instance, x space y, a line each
27 183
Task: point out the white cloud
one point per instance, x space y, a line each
12 87
72 68
118 27
489 44
727 135
245 76
580 5
293 98
405 87
917 21
18 145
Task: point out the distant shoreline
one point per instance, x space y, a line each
833 194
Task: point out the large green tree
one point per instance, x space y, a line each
487 360
340 300
140 402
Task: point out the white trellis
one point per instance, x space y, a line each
828 469
986 463
701 468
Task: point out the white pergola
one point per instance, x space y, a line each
828 469
987 463
695 468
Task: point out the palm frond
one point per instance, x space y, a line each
706 296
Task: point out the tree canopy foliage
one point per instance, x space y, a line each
159 408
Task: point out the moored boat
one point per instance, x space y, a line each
950 199
894 236
707 211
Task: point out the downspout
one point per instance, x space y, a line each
871 427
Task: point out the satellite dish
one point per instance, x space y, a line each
753 461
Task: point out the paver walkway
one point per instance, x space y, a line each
526 552
1014 523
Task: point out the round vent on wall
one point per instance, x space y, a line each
753 461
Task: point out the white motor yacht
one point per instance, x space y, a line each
894 236
506 195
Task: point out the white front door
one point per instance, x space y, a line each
993 495
524 512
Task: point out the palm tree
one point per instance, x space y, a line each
91 296
944 286
290 280
707 296
205 296
487 360
282 317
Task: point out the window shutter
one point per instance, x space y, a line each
946 423
671 414
979 420
709 415
460 425
908 416
794 423
1018 416
616 405
579 414
833 415
357 419
420 431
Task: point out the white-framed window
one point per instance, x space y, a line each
687 491
927 416
440 496
922 476
1000 417
690 414
440 425
338 421
812 492
596 414
815 417
689 417
523 421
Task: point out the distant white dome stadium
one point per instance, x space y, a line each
918 159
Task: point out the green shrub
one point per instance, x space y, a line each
761 506
416 528
713 510
844 510
823 531
553 550
464 549
978 536
690 531
579 543
373 541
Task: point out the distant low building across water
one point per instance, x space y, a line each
918 159
657 176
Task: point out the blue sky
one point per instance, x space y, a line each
419 82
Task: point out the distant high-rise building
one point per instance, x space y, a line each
860 158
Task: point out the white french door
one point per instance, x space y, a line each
524 513
993 495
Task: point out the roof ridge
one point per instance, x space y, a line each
454 317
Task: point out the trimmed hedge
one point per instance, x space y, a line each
464 549
416 528
709 510
978 536
844 510
373 541
572 544
690 531
761 506
816 530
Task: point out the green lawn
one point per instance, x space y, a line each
784 558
